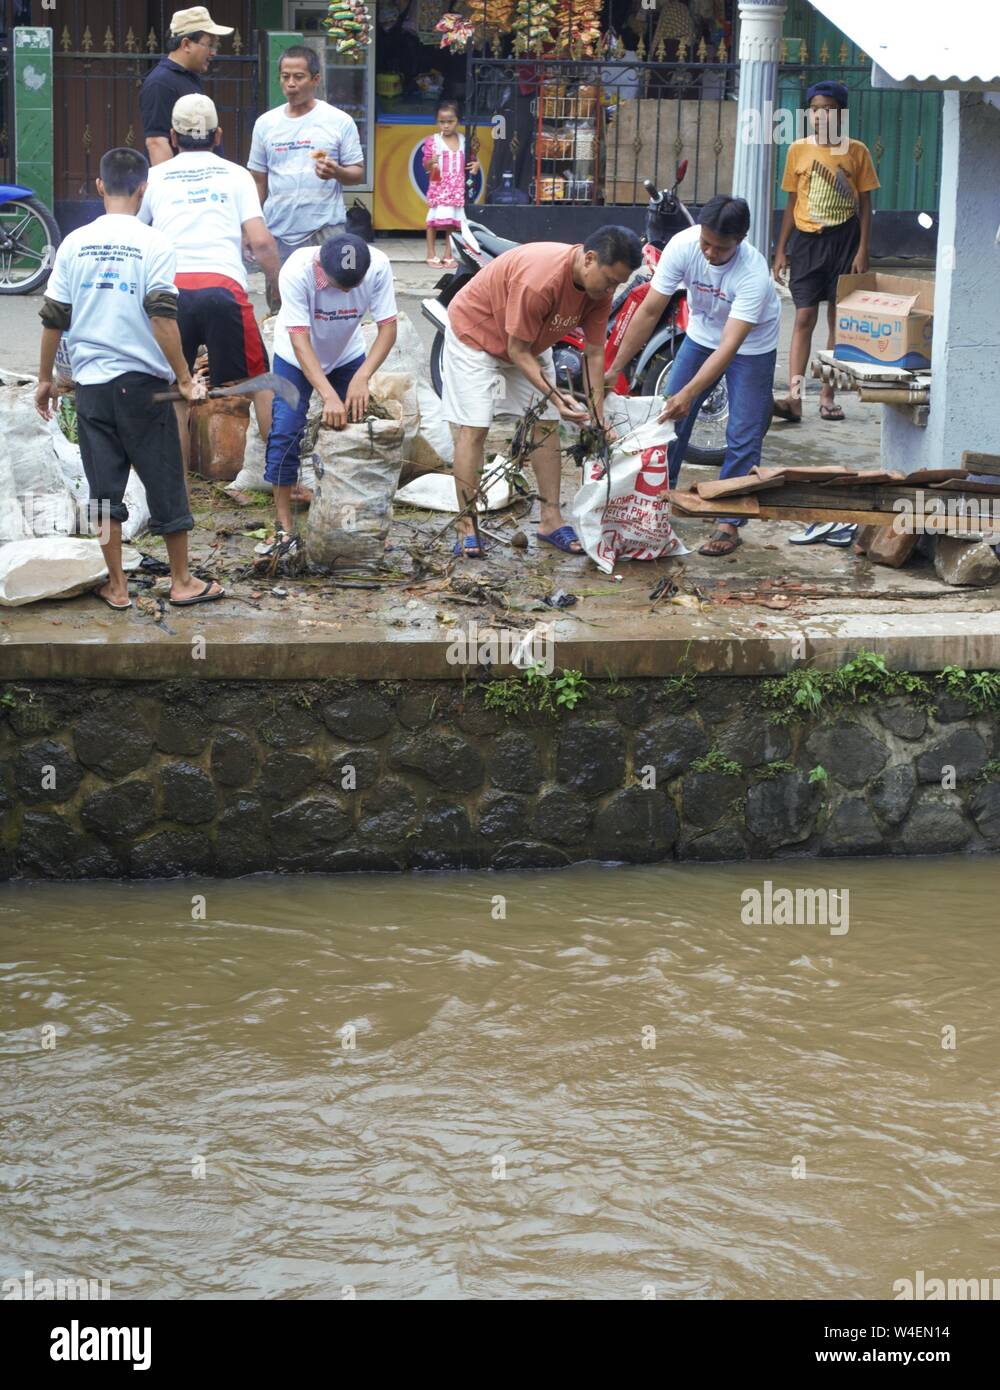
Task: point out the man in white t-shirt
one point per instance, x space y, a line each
300 156
735 316
205 207
318 345
111 292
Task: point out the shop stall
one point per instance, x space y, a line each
390 85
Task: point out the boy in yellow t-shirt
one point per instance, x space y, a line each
824 232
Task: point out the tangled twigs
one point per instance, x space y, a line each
522 445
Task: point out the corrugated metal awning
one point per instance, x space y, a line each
940 43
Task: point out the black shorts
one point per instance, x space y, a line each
215 311
818 259
121 426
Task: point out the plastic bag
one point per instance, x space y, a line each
50 567
399 386
34 498
630 518
433 447
437 492
357 472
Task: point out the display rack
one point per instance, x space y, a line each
566 148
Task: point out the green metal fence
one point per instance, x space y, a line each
901 129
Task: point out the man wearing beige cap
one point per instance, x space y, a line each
193 42
206 208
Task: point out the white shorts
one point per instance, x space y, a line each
478 386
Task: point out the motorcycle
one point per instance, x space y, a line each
474 246
29 236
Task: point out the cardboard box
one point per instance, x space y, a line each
886 319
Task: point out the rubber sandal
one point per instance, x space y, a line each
831 412
730 544
562 539
842 536
115 607
469 547
814 532
204 597
435 262
785 412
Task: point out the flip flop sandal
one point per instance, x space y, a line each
116 607
469 547
831 412
436 262
842 537
816 531
727 543
204 597
562 539
785 412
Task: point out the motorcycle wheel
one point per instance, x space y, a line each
708 438
29 236
437 363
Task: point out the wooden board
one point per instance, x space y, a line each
980 463
693 505
742 486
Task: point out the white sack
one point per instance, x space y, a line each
51 567
634 523
357 471
437 492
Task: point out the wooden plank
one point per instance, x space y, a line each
980 463
742 486
693 505
807 514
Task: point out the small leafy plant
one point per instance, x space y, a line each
716 761
536 690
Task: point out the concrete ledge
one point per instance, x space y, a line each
716 644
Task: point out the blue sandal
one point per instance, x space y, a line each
469 547
562 539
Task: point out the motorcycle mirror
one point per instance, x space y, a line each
681 170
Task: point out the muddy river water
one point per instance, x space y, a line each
601 1083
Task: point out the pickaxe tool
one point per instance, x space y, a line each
267 381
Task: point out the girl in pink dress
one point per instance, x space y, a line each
444 161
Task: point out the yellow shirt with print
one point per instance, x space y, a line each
827 180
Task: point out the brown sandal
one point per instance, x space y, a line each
785 412
722 542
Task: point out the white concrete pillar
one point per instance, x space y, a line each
753 171
965 352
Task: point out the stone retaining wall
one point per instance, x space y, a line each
153 779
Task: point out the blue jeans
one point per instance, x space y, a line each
750 383
288 424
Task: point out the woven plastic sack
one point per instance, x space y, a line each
357 473
626 516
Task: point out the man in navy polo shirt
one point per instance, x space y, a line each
193 42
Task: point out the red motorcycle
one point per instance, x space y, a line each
649 373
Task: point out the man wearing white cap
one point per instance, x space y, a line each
206 207
192 44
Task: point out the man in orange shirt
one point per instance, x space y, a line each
498 356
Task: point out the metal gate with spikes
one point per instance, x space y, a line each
102 51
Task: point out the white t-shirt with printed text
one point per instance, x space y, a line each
741 289
332 315
105 271
200 202
298 201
